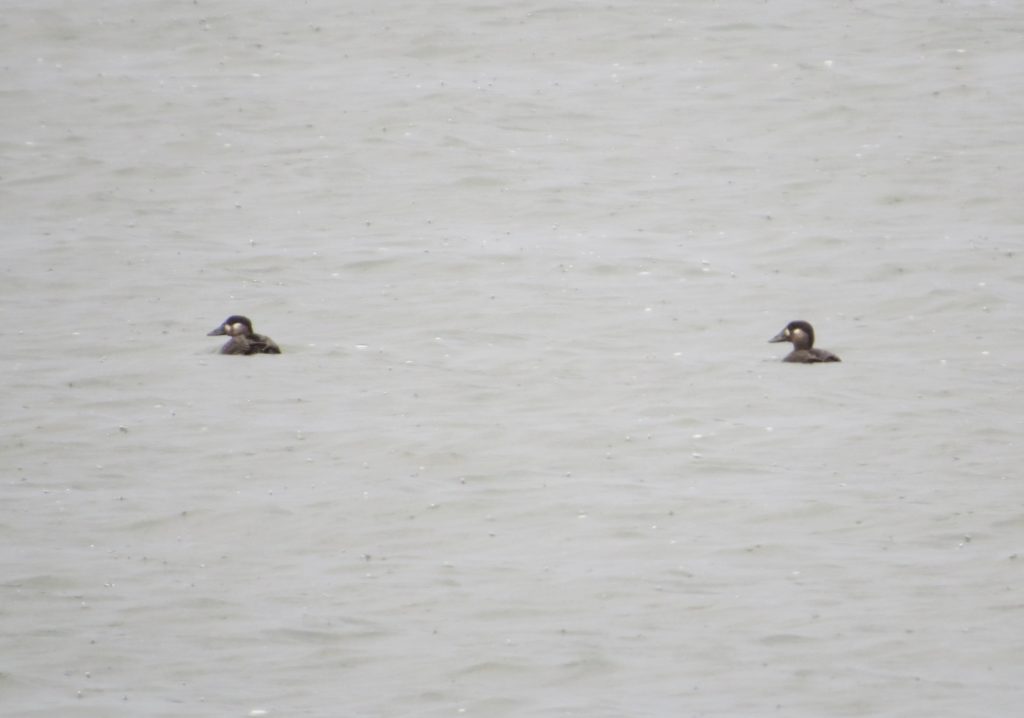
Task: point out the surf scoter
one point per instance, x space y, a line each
801 334
243 339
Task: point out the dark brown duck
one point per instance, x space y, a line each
801 335
243 339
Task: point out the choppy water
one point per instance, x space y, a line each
527 452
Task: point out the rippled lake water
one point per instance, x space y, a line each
527 451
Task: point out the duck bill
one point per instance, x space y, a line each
218 332
780 337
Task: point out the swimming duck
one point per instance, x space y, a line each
243 339
801 334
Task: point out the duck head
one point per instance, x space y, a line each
233 326
799 333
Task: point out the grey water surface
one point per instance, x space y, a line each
527 451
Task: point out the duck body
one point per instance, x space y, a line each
243 339
801 335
